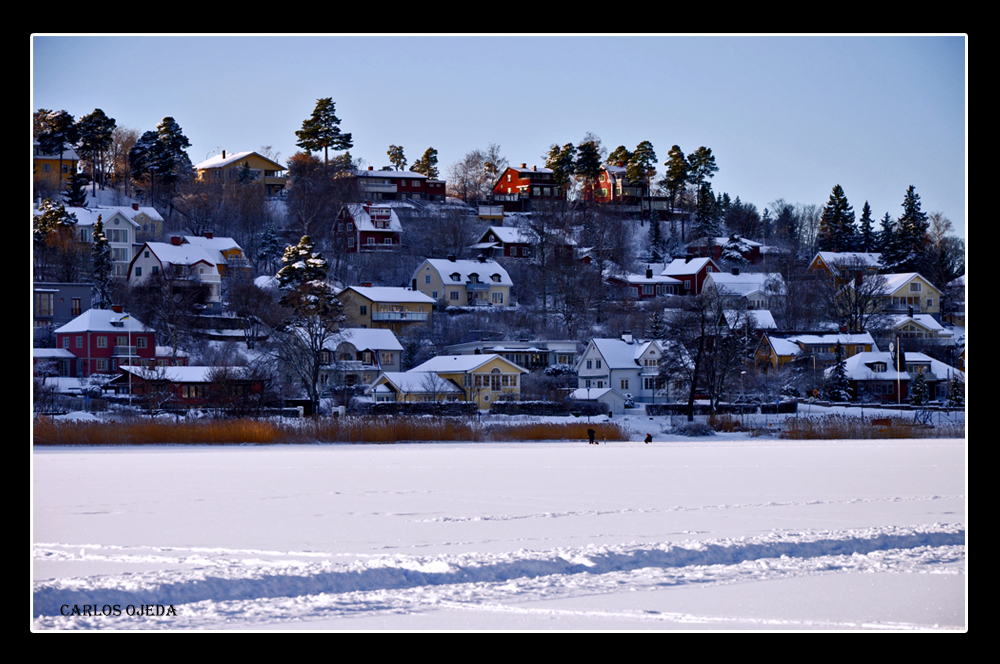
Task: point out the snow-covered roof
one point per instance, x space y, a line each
619 354
182 254
924 320
363 218
596 394
390 294
461 363
680 267
52 354
747 283
851 258
88 216
218 161
463 268
784 347
68 153
100 320
179 374
843 338
369 339
893 282
760 319
416 382
510 235
214 245
862 366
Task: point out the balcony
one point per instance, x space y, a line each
405 316
380 187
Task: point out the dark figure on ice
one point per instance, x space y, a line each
590 433
649 438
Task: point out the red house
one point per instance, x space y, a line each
691 272
367 228
399 186
614 187
526 189
102 340
188 387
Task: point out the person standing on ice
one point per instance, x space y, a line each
590 434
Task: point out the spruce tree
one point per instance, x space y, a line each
657 243
907 250
838 386
918 391
102 267
867 234
837 231
676 177
76 192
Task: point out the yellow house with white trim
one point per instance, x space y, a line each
229 168
483 379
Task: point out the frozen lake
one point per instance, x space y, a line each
689 534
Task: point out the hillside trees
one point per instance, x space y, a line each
837 230
906 249
58 255
396 157
102 267
160 157
472 178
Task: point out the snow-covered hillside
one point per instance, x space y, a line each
706 534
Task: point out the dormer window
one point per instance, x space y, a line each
496 278
455 276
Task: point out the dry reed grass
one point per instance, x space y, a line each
387 429
855 427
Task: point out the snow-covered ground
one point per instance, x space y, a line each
680 534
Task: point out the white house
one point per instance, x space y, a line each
627 365
181 261
758 290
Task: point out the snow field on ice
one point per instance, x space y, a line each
320 537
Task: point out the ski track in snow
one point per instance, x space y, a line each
217 588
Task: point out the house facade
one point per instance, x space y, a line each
188 387
627 365
691 273
817 351
528 189
842 268
185 264
613 187
55 304
648 285
119 229
463 283
46 168
757 290
910 293
248 167
101 340
888 377
357 356
530 354
399 186
367 227
382 307
483 379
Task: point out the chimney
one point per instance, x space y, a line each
524 165
371 168
649 272
223 154
534 167
117 308
736 271
482 259
176 240
366 285
208 235
451 257
135 206
627 336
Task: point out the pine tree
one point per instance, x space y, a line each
837 231
321 131
867 234
657 243
907 249
838 386
620 155
427 164
76 192
956 394
562 162
96 131
102 267
173 162
55 131
641 167
587 164
396 157
919 395
676 177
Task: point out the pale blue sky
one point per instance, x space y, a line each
786 117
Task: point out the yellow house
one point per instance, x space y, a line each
817 350
47 168
382 307
910 290
229 168
480 378
462 283
843 267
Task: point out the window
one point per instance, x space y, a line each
497 298
597 364
496 278
453 295
386 358
371 241
79 342
138 271
648 383
350 242
102 342
364 310
624 383
75 306
427 278
915 287
589 362
65 342
44 304
140 342
434 294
